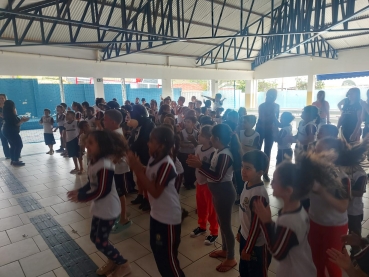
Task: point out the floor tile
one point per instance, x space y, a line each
49 201
37 188
39 263
86 244
10 222
22 232
4 239
49 274
82 227
66 207
60 272
10 211
11 270
25 217
144 239
72 233
40 242
131 231
190 201
58 183
68 218
187 226
143 221
17 251
85 212
97 259
5 203
205 267
131 250
137 271
194 248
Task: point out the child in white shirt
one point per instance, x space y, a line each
47 121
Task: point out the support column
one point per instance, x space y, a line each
124 91
213 87
249 88
166 85
61 86
99 88
310 89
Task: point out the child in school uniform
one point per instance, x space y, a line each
188 138
249 138
60 120
284 147
47 122
255 258
328 208
91 119
71 136
219 174
112 121
205 208
158 178
287 237
103 148
78 109
84 129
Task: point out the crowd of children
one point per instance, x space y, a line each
159 149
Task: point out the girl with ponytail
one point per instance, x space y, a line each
287 238
219 174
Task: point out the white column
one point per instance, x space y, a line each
62 94
310 89
213 87
124 91
99 87
166 85
249 89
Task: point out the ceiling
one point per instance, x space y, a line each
184 28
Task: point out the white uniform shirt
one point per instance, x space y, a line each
358 180
214 161
91 123
284 132
71 130
107 207
166 208
121 167
299 260
247 142
302 133
48 123
60 119
205 157
323 213
191 147
250 223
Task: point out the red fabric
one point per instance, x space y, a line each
205 209
322 238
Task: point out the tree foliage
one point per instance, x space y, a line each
348 83
264 86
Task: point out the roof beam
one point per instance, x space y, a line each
312 44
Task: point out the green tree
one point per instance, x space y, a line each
319 85
301 84
263 85
241 85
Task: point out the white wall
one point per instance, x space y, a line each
39 65
348 61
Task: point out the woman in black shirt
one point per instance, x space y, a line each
350 120
11 129
4 141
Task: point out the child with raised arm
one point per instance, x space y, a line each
158 178
47 121
103 148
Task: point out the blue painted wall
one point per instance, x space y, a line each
113 91
79 93
147 93
47 96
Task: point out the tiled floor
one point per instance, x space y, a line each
23 252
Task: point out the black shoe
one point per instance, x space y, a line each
237 202
19 163
266 178
60 150
138 200
197 232
145 205
210 240
184 214
193 186
187 187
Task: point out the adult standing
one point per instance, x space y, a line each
351 117
11 130
268 115
365 114
323 107
4 141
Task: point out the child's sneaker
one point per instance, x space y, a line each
74 171
60 150
197 232
121 270
107 268
210 240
